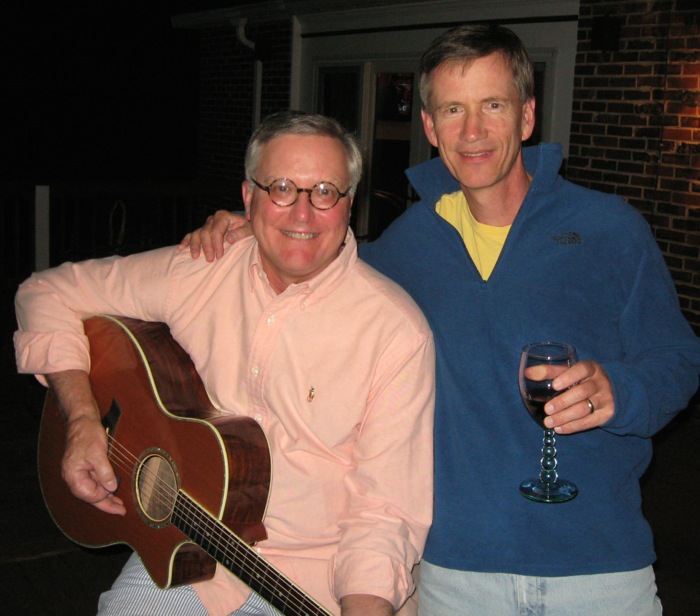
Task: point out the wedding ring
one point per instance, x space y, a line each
591 408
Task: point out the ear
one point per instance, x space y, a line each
350 202
247 192
429 127
528 119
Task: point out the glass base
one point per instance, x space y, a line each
558 492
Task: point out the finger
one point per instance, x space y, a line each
208 244
560 413
573 375
193 243
217 241
588 422
111 504
87 488
90 475
184 242
237 234
110 501
542 372
222 227
220 221
579 417
108 482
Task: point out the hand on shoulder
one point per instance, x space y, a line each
209 238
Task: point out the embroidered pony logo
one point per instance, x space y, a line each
570 237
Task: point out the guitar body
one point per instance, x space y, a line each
166 437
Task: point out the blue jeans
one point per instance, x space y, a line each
466 593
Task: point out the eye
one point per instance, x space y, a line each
283 188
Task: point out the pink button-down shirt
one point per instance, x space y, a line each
339 372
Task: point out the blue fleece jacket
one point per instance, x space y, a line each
578 266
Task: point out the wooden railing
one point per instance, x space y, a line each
45 226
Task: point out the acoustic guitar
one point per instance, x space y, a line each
195 482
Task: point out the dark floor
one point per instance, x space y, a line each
41 572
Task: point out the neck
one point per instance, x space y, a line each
498 205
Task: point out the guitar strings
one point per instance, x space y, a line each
294 597
215 531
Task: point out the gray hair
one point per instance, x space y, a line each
464 44
302 123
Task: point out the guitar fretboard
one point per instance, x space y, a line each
239 558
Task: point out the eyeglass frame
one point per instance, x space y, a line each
308 191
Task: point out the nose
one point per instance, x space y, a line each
302 210
472 127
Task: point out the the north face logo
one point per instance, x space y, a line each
570 237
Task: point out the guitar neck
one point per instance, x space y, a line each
240 559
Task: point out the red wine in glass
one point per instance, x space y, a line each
535 400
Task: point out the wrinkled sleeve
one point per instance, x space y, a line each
51 305
658 372
391 486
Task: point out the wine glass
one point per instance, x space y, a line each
536 390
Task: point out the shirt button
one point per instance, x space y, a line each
271 319
255 371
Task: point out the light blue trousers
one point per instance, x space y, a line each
134 594
465 593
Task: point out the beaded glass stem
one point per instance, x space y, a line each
536 392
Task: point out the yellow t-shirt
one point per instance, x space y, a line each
483 242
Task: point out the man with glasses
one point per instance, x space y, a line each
333 360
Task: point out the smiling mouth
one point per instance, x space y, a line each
299 236
474 154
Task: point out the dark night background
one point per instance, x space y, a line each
103 90
108 91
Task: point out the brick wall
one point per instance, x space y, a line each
227 93
274 41
635 127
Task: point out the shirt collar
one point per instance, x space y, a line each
317 286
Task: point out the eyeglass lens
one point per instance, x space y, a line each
324 195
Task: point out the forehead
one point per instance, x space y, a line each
313 156
486 76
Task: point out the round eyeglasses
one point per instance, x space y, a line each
284 192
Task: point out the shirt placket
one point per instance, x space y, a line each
264 342
258 361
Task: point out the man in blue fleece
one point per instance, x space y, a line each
502 251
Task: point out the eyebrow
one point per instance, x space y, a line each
488 99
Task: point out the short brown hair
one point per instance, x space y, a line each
464 44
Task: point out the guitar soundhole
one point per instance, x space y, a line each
156 489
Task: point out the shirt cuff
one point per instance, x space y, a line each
46 353
367 573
